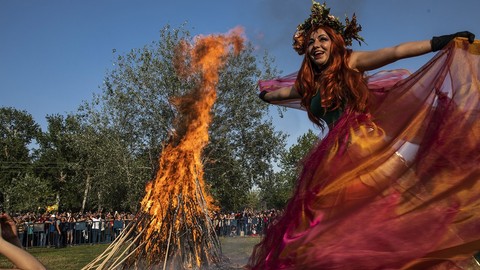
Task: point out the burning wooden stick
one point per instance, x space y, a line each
173 229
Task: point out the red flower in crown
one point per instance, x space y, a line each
321 16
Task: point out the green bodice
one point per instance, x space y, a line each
316 108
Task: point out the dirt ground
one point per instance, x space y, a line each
237 250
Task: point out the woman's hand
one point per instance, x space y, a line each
440 42
9 230
11 247
284 93
262 96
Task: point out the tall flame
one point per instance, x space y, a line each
173 229
176 201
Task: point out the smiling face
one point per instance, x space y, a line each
319 46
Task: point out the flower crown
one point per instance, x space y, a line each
321 16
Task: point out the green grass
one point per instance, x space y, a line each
63 258
236 249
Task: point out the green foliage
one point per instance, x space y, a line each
102 157
57 157
107 169
243 142
254 200
30 194
17 131
128 123
278 188
134 115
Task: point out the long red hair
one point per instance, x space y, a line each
338 85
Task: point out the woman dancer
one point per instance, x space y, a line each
395 183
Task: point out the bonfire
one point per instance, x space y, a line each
173 229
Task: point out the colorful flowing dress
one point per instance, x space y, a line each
395 188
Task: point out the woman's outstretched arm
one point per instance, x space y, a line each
369 60
19 257
284 93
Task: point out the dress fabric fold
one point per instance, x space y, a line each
395 188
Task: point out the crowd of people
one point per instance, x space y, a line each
62 229
244 223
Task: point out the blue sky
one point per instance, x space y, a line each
54 54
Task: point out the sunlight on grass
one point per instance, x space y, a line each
63 258
236 249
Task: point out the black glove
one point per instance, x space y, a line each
439 42
262 96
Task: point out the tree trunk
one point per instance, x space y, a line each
99 196
85 193
57 200
62 180
6 203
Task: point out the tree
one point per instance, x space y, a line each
109 173
128 122
30 194
135 105
244 142
280 186
57 159
17 131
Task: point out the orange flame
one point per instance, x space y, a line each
177 198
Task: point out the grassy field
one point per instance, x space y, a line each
236 249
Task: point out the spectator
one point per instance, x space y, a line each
20 223
29 230
57 231
95 228
118 225
52 231
63 230
108 227
70 226
46 225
